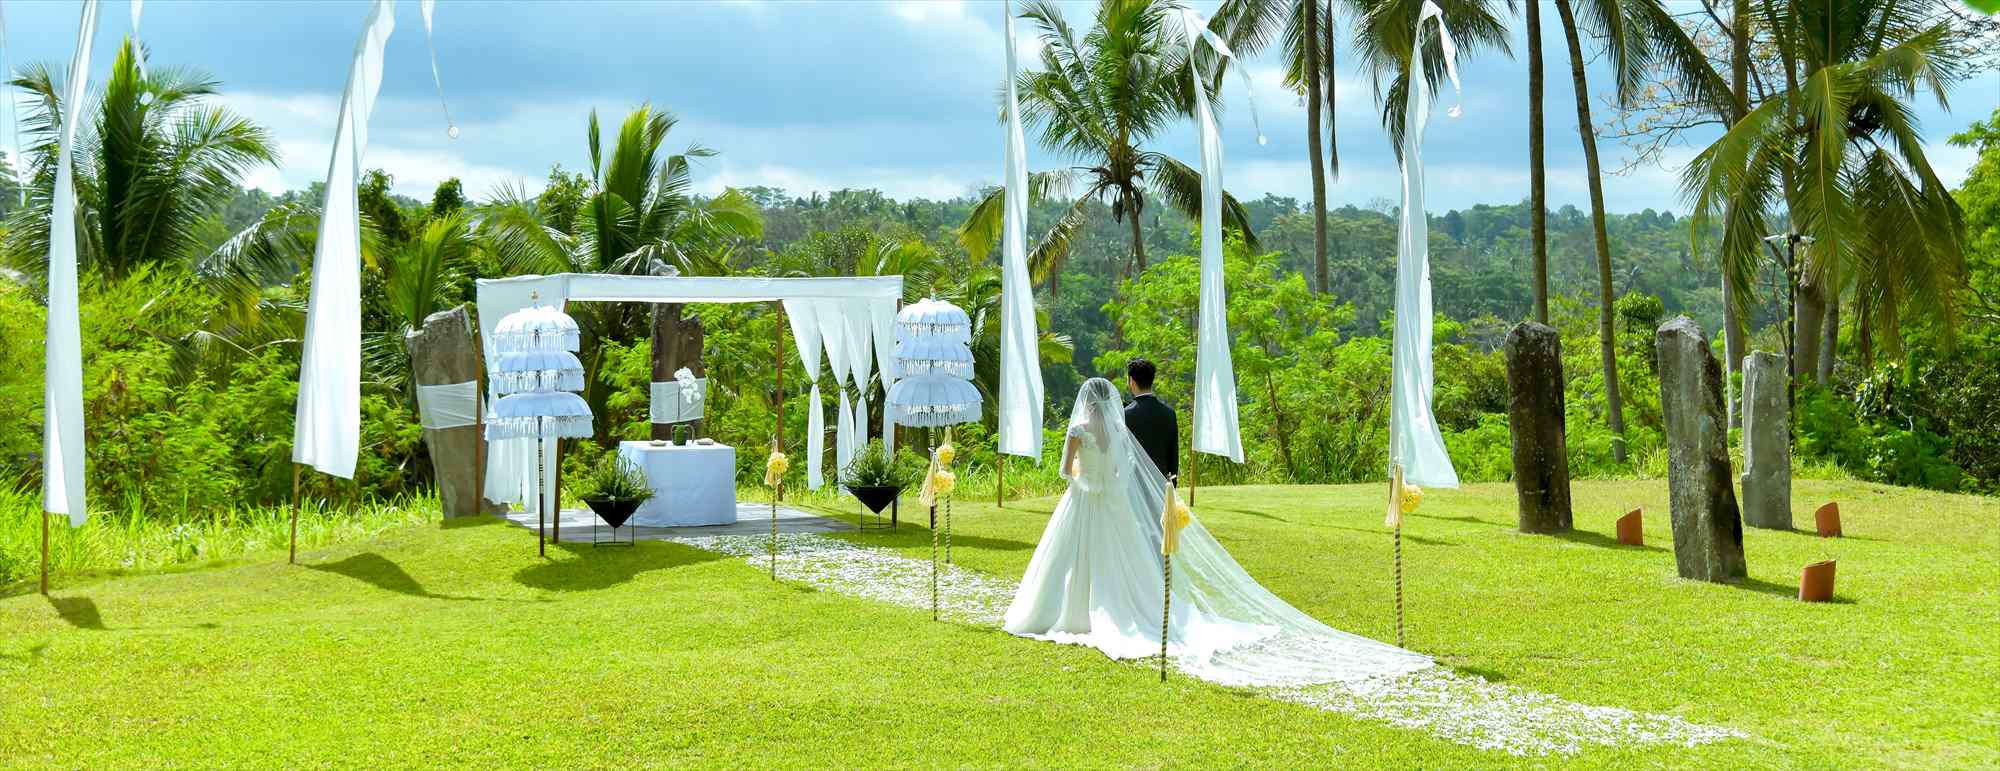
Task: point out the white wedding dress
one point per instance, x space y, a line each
1096 577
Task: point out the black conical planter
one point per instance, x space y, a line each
875 498
613 512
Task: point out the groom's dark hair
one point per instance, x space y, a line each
1141 372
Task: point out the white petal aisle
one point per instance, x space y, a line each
1461 708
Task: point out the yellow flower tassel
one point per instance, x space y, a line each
774 468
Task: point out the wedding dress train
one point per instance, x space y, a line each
1096 578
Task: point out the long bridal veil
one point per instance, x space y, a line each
1281 645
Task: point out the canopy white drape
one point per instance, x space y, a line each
62 388
327 431
509 462
1415 443
1019 412
1215 421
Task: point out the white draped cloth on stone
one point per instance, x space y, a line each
1019 413
327 431
62 388
1415 443
1214 421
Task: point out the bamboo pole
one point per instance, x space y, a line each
45 551
296 503
1000 483
778 492
555 507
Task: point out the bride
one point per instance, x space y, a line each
1096 577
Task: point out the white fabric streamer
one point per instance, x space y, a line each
62 391
448 406
1216 430
1019 412
804 319
327 433
883 314
1415 442
429 8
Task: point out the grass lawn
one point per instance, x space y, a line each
456 646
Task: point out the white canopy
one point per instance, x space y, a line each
508 461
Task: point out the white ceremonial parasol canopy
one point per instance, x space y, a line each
536 375
934 358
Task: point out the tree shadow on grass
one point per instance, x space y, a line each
1416 539
80 612
1472 520
588 568
378 571
1589 538
913 534
1255 514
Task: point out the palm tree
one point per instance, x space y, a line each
1837 145
1638 35
1098 100
1307 29
156 161
638 218
1538 175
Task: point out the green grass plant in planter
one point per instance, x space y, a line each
614 488
874 477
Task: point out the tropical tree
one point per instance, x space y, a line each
1098 100
1834 146
155 162
635 214
1637 35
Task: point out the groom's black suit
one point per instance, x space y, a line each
1153 423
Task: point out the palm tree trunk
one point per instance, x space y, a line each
1830 340
1538 224
1607 342
1739 82
1806 332
1310 39
1138 264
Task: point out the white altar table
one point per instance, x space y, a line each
693 484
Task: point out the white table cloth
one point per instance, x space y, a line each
692 484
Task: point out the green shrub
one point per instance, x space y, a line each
875 468
612 478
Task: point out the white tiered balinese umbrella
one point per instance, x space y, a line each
934 362
537 374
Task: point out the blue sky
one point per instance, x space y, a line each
891 94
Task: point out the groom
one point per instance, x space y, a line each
1150 420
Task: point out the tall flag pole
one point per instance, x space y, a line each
1021 394
62 391
1216 430
1417 454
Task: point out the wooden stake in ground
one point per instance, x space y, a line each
296 503
45 552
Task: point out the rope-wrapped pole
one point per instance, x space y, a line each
1166 608
934 563
776 491
1399 585
947 531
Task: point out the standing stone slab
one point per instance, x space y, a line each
1767 443
1536 420
1708 530
443 353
